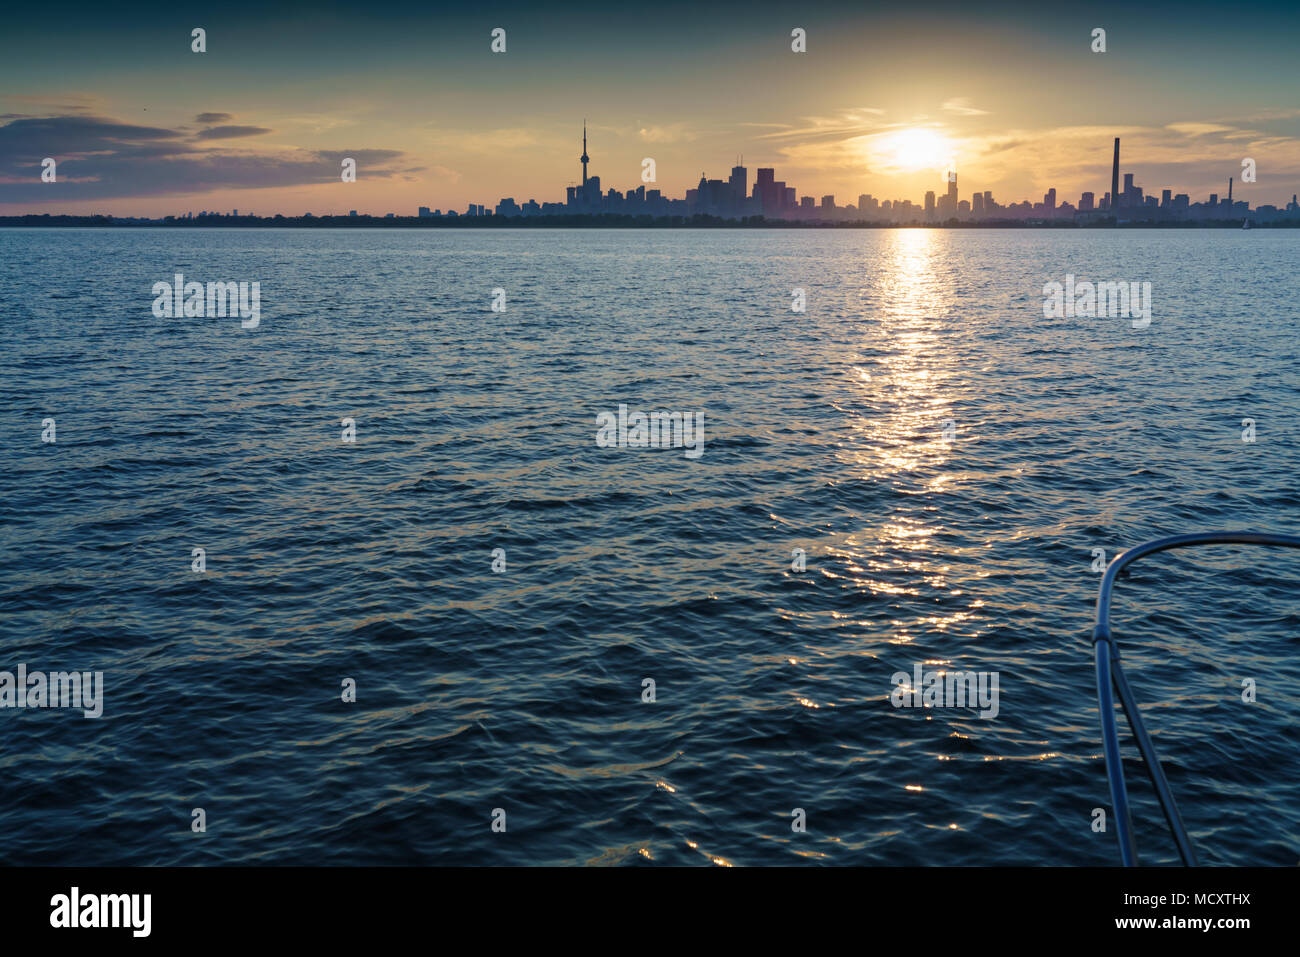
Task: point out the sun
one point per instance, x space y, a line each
915 149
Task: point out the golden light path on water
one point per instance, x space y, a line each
908 442
900 316
907 439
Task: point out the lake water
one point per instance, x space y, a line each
946 458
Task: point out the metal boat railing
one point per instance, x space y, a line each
1111 675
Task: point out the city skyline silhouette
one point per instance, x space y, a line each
774 200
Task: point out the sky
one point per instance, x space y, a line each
885 100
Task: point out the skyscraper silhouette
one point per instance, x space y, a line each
586 159
1114 178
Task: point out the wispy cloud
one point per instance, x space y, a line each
486 141
230 132
851 122
1197 129
962 106
671 133
56 103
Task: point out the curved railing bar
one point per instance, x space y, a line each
1111 674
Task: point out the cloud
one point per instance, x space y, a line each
993 147
961 106
446 174
47 104
672 133
317 122
1197 129
366 158
207 119
853 122
231 132
102 158
488 141
74 135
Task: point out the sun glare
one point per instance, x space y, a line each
916 149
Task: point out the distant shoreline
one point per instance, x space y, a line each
602 221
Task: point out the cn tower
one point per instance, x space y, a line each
585 159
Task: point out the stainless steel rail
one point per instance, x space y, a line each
1110 675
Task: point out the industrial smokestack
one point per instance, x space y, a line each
1229 190
1114 178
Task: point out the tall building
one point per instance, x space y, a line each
929 204
952 190
1086 202
738 181
1114 176
769 192
713 194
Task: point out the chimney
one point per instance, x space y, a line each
1114 178
1229 190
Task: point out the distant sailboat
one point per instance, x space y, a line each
1245 224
